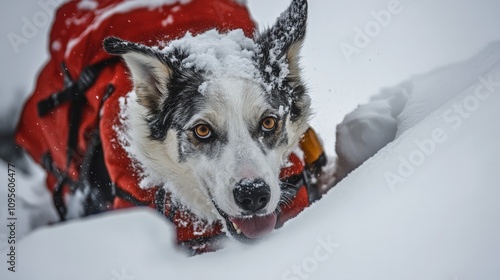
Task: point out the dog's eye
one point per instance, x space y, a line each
203 131
269 124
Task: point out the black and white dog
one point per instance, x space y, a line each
215 116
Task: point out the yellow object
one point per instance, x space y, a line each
311 146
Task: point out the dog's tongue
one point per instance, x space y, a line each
255 227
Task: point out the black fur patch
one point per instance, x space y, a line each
182 102
269 140
183 98
275 46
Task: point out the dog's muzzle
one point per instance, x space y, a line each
251 196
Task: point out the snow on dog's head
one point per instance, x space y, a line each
216 115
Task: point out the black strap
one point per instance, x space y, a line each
160 197
62 180
73 89
74 92
172 210
128 197
291 185
75 116
59 198
93 143
314 171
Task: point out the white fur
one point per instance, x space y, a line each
233 105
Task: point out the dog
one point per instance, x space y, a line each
216 124
224 146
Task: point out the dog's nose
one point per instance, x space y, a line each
252 195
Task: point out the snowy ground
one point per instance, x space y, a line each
427 206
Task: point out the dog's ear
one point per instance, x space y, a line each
278 57
282 42
150 70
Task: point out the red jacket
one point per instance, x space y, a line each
76 39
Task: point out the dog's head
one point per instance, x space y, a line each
221 113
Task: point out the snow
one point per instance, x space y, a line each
426 206
33 204
369 128
87 5
394 110
203 87
424 100
123 132
169 20
228 55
